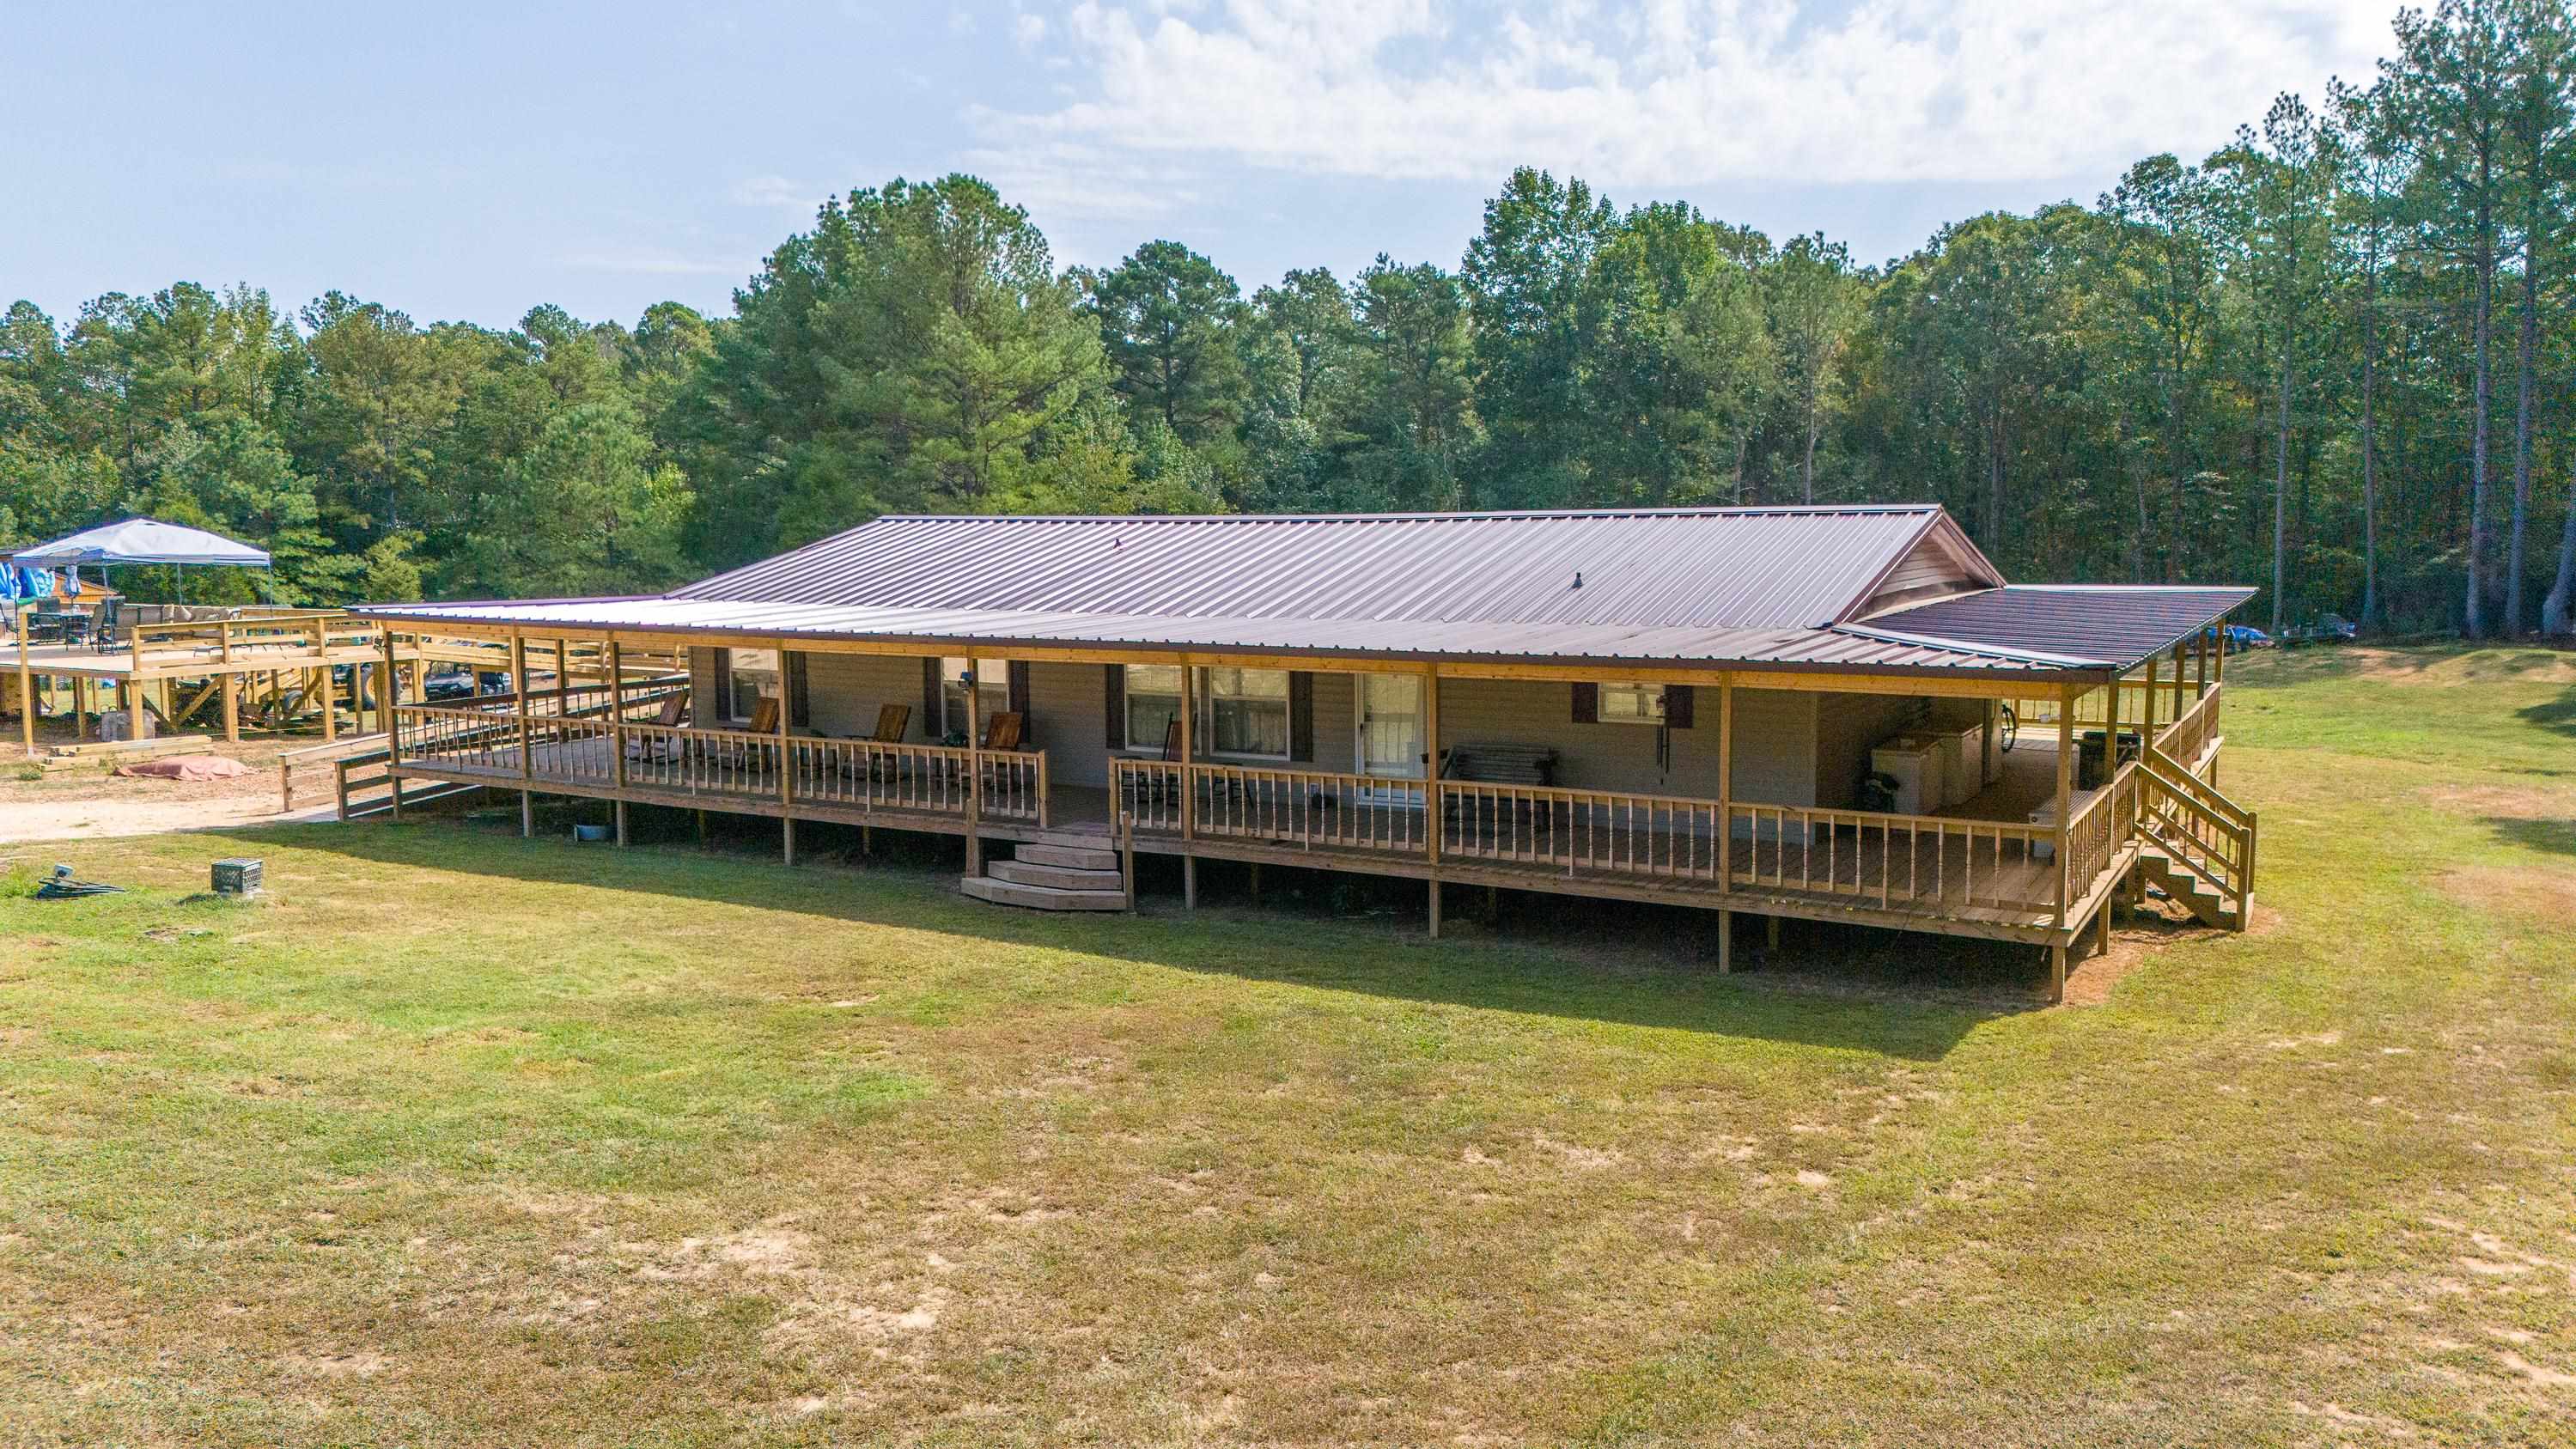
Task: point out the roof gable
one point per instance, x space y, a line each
1749 568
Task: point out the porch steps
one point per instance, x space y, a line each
1059 871
1061 877
1070 857
2205 902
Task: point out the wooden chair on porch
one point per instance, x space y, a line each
742 753
661 747
892 721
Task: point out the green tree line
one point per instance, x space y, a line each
2329 358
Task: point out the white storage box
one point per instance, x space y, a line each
1914 763
1963 762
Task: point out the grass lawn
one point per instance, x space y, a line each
461 1139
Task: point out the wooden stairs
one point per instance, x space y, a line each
2196 844
1061 870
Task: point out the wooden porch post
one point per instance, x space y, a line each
392 723
787 774
2066 696
617 731
1724 845
1189 788
330 706
1432 818
2154 662
26 685
2177 664
527 761
974 765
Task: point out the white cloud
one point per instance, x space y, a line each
659 262
1028 30
1653 92
778 192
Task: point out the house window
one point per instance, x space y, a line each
1632 704
750 673
992 691
1247 712
1153 702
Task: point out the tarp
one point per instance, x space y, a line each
143 541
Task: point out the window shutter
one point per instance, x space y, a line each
1677 706
1587 704
1114 703
1301 717
723 687
1019 679
793 666
930 722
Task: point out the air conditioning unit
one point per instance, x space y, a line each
237 876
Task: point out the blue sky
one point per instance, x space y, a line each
471 160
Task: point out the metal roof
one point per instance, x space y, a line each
1708 568
1751 587
1003 630
2083 624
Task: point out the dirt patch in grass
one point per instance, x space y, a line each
2502 802
2546 892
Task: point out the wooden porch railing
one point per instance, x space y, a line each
2201 830
2188 738
593 744
1895 862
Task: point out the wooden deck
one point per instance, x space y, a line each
1980 869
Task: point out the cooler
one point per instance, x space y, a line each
1914 763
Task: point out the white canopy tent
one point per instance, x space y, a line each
143 541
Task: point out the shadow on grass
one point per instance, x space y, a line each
2558 716
1382 960
2557 837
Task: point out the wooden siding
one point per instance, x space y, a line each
1928 570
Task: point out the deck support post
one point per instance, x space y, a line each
527 759
2066 697
1126 850
787 770
1723 848
617 729
1770 933
2056 974
787 838
232 686
26 685
1725 942
2102 929
702 830
384 711
974 761
1433 819
1189 788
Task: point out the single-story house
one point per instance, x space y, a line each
1841 713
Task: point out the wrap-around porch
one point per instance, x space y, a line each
1991 865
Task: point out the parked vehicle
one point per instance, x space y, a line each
2237 638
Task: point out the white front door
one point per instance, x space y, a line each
1389 744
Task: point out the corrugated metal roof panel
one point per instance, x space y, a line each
1703 568
1345 638
2083 624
